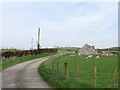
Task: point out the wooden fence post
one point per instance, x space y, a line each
77 72
52 64
66 71
57 66
95 77
49 63
114 74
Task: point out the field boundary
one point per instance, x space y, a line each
8 62
64 73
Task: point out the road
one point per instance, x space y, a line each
24 75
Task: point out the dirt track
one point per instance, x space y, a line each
24 75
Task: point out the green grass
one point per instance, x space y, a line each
66 49
5 63
106 66
109 51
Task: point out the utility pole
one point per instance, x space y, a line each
32 43
38 44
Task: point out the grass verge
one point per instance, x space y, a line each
8 62
106 67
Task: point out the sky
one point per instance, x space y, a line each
63 24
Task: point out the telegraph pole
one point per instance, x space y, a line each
38 44
32 43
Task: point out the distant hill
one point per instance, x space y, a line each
111 49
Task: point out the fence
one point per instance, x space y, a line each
77 75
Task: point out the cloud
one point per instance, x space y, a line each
62 24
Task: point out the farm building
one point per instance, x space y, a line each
87 50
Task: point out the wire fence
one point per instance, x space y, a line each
77 75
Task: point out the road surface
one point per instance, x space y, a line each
24 75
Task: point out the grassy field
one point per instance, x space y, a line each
107 74
5 63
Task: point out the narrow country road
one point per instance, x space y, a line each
24 75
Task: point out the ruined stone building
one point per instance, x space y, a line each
87 50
